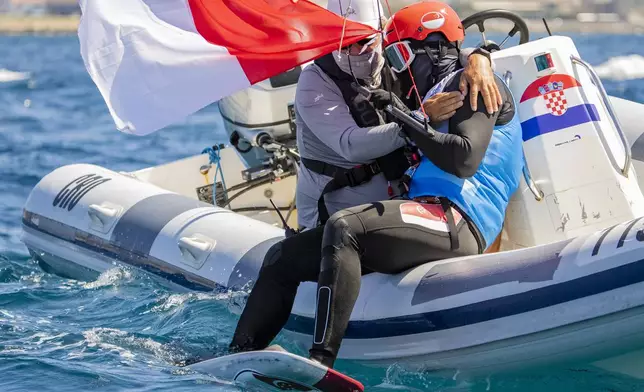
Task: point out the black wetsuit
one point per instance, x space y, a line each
364 239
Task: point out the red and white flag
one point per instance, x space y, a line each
157 61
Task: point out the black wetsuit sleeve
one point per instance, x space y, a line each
461 151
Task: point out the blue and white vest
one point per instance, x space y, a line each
483 197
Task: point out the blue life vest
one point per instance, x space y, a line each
483 197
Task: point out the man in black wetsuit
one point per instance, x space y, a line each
347 252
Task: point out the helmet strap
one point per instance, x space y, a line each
435 56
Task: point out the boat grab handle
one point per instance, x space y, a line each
538 194
609 108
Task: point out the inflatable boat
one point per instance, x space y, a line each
567 283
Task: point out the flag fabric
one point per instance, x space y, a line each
157 61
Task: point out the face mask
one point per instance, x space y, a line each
366 66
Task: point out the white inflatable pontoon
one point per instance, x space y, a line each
568 283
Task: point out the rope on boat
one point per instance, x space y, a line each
215 159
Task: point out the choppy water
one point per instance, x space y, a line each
124 331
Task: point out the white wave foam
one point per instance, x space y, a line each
33 277
43 337
622 68
110 277
175 301
95 338
398 377
7 77
70 284
42 342
123 343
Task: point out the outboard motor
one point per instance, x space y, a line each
264 108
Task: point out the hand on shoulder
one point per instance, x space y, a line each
479 77
442 106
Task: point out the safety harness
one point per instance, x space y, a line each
341 178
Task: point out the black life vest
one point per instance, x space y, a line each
362 111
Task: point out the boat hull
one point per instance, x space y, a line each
542 305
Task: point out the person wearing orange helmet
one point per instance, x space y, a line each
424 39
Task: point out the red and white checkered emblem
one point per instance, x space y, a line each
555 98
556 102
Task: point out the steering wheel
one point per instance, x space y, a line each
479 19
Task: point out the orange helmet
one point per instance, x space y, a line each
420 19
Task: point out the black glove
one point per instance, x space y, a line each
381 98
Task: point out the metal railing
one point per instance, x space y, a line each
611 112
